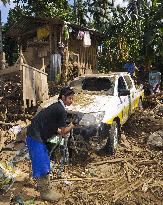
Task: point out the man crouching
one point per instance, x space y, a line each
48 122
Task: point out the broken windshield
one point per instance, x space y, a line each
97 85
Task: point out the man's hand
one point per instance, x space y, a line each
65 130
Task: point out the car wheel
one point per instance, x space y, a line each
113 139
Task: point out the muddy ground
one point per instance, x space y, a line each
134 176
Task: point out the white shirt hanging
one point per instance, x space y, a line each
86 39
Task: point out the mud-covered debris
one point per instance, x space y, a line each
132 176
156 139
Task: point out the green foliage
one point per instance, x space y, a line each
140 27
5 2
10 45
79 15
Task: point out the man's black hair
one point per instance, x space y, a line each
66 91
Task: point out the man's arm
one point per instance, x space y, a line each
66 130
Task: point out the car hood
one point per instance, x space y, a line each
87 103
84 103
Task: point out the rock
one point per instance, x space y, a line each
156 139
22 177
160 108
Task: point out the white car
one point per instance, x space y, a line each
103 103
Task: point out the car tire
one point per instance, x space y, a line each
113 138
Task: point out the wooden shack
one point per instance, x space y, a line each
61 49
32 81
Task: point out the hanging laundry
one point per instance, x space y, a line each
55 66
42 33
66 32
87 39
70 29
80 35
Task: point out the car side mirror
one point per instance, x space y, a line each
124 92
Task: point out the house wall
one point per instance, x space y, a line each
36 50
79 57
34 55
87 55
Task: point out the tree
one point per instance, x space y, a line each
46 8
5 2
10 45
80 12
134 32
100 13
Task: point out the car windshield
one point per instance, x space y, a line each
98 85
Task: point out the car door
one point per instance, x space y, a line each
123 99
131 87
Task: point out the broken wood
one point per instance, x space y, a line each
157 183
127 171
158 121
21 116
5 123
135 185
133 167
147 162
112 161
86 178
98 192
155 95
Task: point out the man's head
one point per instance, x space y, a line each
66 95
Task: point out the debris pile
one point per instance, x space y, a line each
132 176
10 100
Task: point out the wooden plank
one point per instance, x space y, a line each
29 86
24 87
50 39
127 172
5 123
135 185
86 179
112 161
45 95
33 68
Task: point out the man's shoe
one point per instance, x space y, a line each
52 195
46 192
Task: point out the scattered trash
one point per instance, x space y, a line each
156 139
145 187
15 129
132 176
20 155
7 175
20 200
67 182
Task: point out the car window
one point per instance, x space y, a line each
129 82
121 84
95 84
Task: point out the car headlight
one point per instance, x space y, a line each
94 118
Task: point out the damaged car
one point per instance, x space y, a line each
102 104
